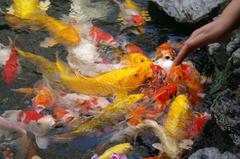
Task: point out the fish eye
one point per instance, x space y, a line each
136 75
167 57
142 60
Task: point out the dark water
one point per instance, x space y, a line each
82 147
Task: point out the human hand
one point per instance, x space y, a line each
209 33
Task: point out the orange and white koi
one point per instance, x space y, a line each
11 67
38 124
63 116
131 14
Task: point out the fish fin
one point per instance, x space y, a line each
42 142
63 68
44 5
10 10
186 144
145 15
158 146
48 42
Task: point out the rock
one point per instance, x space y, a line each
212 153
189 10
226 110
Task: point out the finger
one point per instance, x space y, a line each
181 55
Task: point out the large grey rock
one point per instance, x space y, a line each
212 153
188 10
226 110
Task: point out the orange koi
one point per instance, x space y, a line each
164 51
193 82
132 48
44 98
98 36
11 67
136 115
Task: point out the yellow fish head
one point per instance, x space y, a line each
137 59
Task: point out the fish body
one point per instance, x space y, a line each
108 115
44 66
30 14
196 127
119 81
98 36
11 67
130 13
44 98
38 124
179 118
193 81
12 126
63 116
132 48
120 149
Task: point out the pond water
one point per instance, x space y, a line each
28 40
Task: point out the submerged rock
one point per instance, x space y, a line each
212 153
226 109
189 10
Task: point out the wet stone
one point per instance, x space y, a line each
226 110
212 153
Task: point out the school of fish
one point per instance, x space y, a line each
90 94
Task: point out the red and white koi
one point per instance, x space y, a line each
11 67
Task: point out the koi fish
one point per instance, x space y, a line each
179 118
30 13
44 98
164 51
44 66
108 115
198 124
98 36
11 67
26 91
120 149
132 48
63 116
131 14
38 124
193 81
169 145
119 81
11 126
137 59
73 100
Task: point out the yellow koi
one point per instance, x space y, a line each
109 115
120 149
178 118
116 82
44 66
29 13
